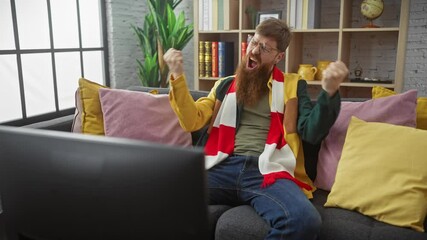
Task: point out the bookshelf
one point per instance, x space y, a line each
380 52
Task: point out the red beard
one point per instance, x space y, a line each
251 86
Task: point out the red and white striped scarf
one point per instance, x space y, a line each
277 161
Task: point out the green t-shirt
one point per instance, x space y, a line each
253 129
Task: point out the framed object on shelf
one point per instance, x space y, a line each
261 16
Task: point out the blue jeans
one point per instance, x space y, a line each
237 181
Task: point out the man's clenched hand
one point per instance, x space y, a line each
175 62
333 76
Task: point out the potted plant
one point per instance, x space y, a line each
161 30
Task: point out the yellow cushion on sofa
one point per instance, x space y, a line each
378 91
92 119
422 113
382 173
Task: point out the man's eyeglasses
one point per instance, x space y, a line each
263 47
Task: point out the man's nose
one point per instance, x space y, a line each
256 49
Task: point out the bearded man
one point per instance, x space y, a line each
257 120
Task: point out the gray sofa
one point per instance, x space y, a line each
241 222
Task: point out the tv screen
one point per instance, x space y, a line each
58 185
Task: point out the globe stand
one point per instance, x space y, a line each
371 25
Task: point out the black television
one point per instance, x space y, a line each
59 185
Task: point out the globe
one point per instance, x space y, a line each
372 9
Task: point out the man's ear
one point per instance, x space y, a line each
279 57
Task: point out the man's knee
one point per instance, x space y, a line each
303 223
312 221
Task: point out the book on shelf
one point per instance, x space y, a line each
205 15
214 15
208 59
313 14
220 14
214 59
201 58
244 47
299 14
304 14
231 14
225 58
201 15
292 13
210 14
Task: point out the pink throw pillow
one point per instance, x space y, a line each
398 109
141 115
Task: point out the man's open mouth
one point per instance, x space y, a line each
252 63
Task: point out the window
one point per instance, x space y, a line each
45 47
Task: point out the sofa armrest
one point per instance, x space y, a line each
59 124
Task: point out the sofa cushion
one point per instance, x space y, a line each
383 173
338 223
141 115
214 213
241 222
398 109
379 91
91 114
76 127
422 113
196 94
58 124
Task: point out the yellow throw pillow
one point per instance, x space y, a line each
383 173
422 113
378 91
92 119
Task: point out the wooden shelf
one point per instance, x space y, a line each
390 29
340 36
325 30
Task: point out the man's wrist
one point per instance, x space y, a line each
176 76
177 81
331 92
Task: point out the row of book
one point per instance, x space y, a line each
218 15
304 14
216 58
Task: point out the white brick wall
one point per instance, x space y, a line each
124 50
416 49
122 43
123 46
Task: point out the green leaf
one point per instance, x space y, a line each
163 26
180 23
174 3
171 20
